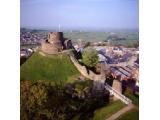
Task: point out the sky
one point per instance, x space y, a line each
85 14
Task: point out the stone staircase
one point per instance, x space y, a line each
123 98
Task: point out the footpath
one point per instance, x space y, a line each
121 112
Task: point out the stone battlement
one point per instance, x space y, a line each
55 43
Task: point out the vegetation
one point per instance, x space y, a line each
130 115
45 101
108 110
43 97
132 36
134 113
135 98
56 68
126 43
94 36
90 57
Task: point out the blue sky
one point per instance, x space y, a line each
91 14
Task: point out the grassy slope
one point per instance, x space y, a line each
134 98
57 68
134 113
108 110
130 115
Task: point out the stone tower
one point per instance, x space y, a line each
56 38
53 44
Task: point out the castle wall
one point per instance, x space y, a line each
55 43
55 37
50 48
117 85
88 74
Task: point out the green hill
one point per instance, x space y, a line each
57 68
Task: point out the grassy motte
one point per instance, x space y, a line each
106 111
57 68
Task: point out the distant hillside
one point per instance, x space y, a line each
57 68
102 36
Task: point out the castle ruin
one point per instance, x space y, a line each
55 43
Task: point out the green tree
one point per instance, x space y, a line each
87 44
46 101
90 57
33 99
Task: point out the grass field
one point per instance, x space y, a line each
130 115
108 110
57 68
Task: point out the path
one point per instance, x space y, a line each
121 112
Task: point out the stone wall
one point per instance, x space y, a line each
50 48
117 85
88 74
55 37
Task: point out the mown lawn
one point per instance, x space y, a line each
57 68
106 111
130 115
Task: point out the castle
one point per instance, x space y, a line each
55 43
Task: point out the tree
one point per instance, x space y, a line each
90 57
87 44
33 99
43 100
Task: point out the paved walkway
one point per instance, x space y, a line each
121 112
